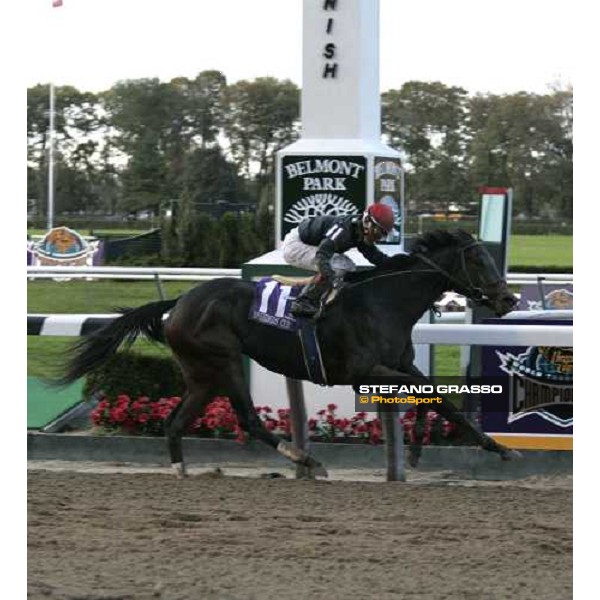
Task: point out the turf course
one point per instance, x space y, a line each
541 250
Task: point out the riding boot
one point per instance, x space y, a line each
308 303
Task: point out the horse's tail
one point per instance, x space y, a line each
93 350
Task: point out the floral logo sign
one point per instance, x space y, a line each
319 204
63 246
62 242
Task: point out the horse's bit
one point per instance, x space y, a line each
473 291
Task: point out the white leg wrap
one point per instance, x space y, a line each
288 451
179 469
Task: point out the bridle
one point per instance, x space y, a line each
472 291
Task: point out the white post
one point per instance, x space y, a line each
50 215
339 166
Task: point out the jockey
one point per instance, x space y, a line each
315 242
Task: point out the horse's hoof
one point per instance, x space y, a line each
272 476
413 461
318 470
414 455
509 454
179 470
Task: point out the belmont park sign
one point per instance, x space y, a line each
339 185
314 186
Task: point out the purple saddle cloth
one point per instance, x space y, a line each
272 304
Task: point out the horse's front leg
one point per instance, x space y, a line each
416 443
241 401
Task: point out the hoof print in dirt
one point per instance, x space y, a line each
272 476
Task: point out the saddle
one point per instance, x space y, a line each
292 281
328 298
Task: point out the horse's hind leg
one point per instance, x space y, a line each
416 444
192 405
250 422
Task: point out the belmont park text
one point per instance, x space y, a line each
324 165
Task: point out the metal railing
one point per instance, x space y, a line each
205 274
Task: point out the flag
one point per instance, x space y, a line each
56 3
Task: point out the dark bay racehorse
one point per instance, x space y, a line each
365 332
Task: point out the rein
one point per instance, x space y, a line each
382 275
474 292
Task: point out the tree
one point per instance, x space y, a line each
77 156
203 106
425 121
260 117
208 177
141 114
145 178
237 240
524 141
195 120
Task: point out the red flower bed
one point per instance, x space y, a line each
144 417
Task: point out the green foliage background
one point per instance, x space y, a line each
190 145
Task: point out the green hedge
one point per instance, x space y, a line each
82 224
517 227
559 269
136 375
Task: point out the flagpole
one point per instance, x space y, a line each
51 139
50 216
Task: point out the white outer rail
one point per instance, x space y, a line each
205 274
446 334
494 335
136 273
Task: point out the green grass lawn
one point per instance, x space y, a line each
46 354
101 296
540 250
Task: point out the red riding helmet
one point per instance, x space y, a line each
381 215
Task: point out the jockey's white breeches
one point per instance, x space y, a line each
301 255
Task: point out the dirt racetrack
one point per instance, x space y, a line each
134 535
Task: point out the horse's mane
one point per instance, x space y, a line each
441 238
431 241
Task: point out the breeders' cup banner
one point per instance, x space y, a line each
388 190
62 246
538 402
321 185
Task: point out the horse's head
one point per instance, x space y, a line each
471 271
481 282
